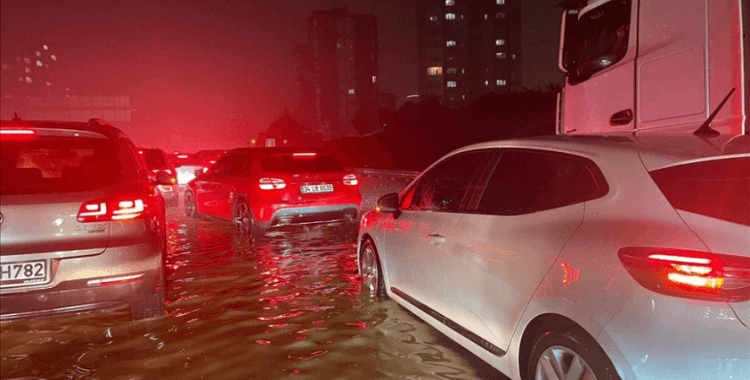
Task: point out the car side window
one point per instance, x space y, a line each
526 181
221 166
446 186
237 164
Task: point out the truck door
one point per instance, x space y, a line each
598 55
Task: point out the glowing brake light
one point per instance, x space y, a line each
351 180
128 209
17 134
303 154
271 184
120 208
689 274
182 156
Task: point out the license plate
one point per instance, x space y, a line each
325 188
25 273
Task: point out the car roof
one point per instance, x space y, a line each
93 125
655 150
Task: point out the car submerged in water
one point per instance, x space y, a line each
264 188
578 257
82 228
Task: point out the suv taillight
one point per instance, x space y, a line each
351 180
271 184
689 274
121 207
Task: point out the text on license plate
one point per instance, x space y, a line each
24 273
325 188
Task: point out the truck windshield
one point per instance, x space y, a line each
597 40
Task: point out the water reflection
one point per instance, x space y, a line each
290 306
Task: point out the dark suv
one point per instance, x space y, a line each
162 171
82 226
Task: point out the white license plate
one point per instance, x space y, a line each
24 273
325 188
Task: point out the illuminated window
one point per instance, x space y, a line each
435 70
433 18
27 61
20 79
450 16
485 17
45 47
514 56
486 83
463 97
28 79
451 70
67 88
500 15
374 78
39 54
450 2
351 91
53 58
49 84
463 71
500 2
451 83
27 70
38 63
499 42
501 82
450 43
500 54
338 46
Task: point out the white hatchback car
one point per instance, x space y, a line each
599 257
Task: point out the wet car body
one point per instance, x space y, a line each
631 257
158 162
83 228
262 188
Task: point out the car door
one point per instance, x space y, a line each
498 254
226 184
205 196
415 256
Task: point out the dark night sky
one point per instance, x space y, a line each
213 74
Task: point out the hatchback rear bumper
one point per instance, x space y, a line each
73 297
314 214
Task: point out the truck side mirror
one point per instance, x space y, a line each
567 26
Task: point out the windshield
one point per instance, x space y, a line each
59 164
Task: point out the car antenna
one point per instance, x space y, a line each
705 128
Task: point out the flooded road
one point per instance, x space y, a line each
288 308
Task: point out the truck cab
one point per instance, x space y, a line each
654 65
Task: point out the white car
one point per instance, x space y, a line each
591 257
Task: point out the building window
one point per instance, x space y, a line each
435 70
45 47
450 2
500 2
433 18
450 43
501 82
463 71
49 84
26 70
28 79
351 91
450 16
451 83
39 54
514 56
451 70
499 42
20 79
500 15
500 54
374 79
485 17
27 61
53 57
39 63
486 83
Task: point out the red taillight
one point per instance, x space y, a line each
271 184
689 274
114 208
351 180
17 134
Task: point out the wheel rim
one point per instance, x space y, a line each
242 218
558 362
369 269
189 204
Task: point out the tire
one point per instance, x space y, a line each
371 273
152 305
559 353
244 220
191 206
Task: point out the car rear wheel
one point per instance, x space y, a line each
561 354
151 305
191 207
243 219
370 271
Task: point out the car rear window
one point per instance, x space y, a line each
289 163
154 159
718 188
59 164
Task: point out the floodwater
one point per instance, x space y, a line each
288 308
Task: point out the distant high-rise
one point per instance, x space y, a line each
468 48
343 67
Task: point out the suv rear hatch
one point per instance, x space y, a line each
712 196
311 176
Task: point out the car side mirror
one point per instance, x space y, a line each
388 203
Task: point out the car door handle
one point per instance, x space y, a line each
621 118
436 239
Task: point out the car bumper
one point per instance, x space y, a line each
659 337
312 215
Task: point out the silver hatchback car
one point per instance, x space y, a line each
81 226
599 257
